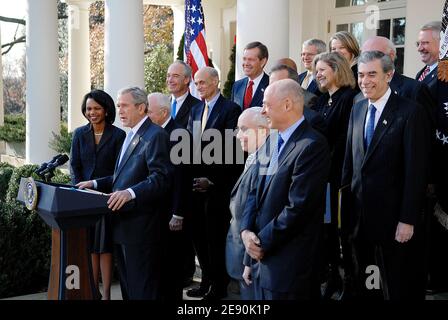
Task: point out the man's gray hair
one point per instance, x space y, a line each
187 68
162 100
138 95
255 114
386 62
319 44
211 72
435 27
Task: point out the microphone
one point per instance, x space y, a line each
60 160
45 164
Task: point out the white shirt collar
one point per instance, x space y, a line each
180 100
138 125
256 81
433 66
379 105
166 122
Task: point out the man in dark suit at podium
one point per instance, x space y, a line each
248 92
143 174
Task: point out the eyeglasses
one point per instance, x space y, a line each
423 43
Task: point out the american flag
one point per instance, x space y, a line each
442 110
195 48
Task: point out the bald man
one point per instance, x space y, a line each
212 183
281 227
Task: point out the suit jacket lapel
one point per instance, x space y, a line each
89 140
134 142
258 96
107 135
289 146
183 108
358 131
384 123
215 113
239 99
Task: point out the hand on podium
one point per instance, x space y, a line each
85 184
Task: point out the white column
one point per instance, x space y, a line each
79 60
123 46
42 79
179 26
266 21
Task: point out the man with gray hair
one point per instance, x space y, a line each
428 47
253 130
178 77
400 84
310 49
385 170
143 174
282 222
178 202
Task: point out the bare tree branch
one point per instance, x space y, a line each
13 20
12 43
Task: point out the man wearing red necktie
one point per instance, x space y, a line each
248 92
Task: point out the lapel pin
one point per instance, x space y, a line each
395 92
385 122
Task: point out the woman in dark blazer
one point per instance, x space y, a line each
95 149
335 79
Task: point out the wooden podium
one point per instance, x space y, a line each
69 212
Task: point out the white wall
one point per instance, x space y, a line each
418 13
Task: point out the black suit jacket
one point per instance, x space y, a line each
88 161
430 80
312 87
388 180
224 115
184 112
146 169
286 213
239 89
179 201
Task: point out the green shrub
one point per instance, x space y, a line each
60 177
62 142
24 251
227 91
25 241
5 176
14 128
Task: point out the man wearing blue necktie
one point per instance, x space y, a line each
282 220
386 167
